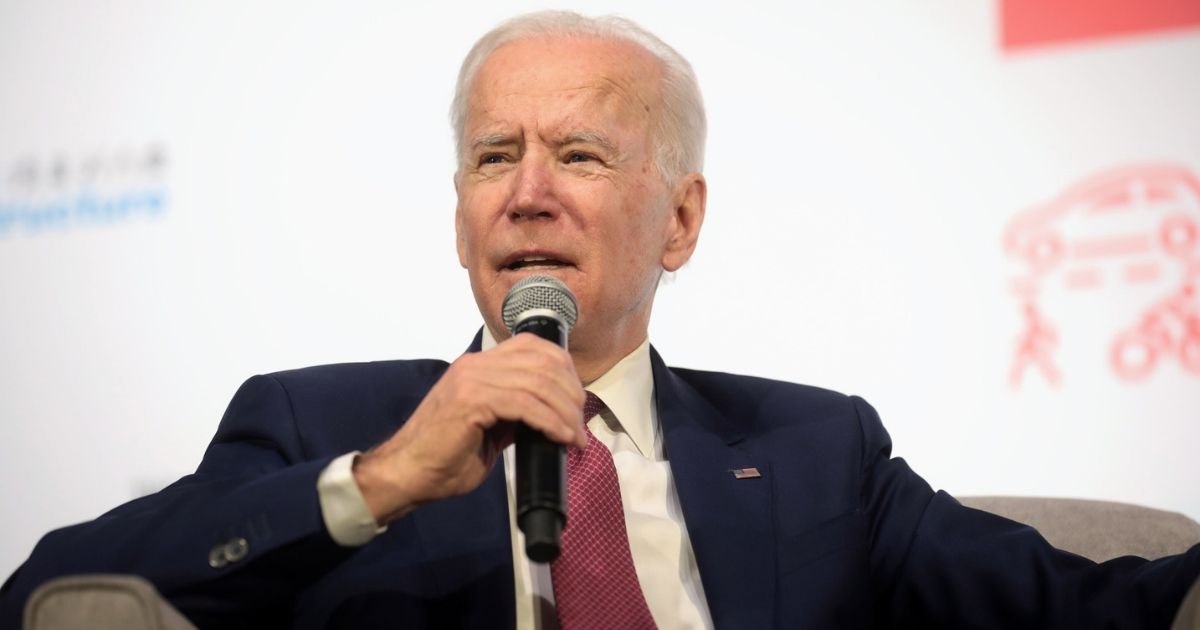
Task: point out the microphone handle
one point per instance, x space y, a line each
541 468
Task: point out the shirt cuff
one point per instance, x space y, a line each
347 517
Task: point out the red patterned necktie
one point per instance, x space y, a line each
595 585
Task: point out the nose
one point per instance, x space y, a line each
534 194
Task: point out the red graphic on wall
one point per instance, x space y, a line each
1035 348
1030 23
1168 329
1130 227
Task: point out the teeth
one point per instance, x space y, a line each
535 261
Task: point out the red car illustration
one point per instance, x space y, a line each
1130 226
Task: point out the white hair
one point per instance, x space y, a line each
680 129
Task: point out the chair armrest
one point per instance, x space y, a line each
1188 617
1099 530
102 602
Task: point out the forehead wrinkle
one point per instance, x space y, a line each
493 138
602 86
625 88
621 90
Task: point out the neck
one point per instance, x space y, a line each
591 367
595 357
595 352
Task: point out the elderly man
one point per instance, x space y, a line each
697 499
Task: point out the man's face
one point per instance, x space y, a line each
558 178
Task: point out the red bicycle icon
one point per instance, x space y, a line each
1169 327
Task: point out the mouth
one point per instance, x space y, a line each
535 262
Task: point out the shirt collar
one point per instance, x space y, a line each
627 388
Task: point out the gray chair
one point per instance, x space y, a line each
1098 530
1188 616
101 602
1102 530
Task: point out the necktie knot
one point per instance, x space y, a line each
592 406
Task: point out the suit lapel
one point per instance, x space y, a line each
729 520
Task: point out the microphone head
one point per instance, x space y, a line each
539 293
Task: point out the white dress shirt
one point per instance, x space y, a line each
658 540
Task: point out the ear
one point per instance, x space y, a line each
688 200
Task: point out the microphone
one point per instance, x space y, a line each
545 307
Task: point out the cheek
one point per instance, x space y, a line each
473 222
635 258
646 234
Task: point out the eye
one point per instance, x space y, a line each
493 158
575 156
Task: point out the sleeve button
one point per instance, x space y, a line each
236 549
216 557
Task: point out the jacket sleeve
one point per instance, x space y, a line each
231 542
938 564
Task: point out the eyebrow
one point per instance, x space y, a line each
584 137
492 140
590 137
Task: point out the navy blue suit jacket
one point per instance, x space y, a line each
834 534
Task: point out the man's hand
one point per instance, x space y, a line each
457 432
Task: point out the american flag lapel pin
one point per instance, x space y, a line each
745 473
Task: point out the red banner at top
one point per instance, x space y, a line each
1028 23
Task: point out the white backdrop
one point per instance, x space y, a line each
191 193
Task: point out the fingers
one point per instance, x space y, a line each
534 381
452 439
559 424
532 352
